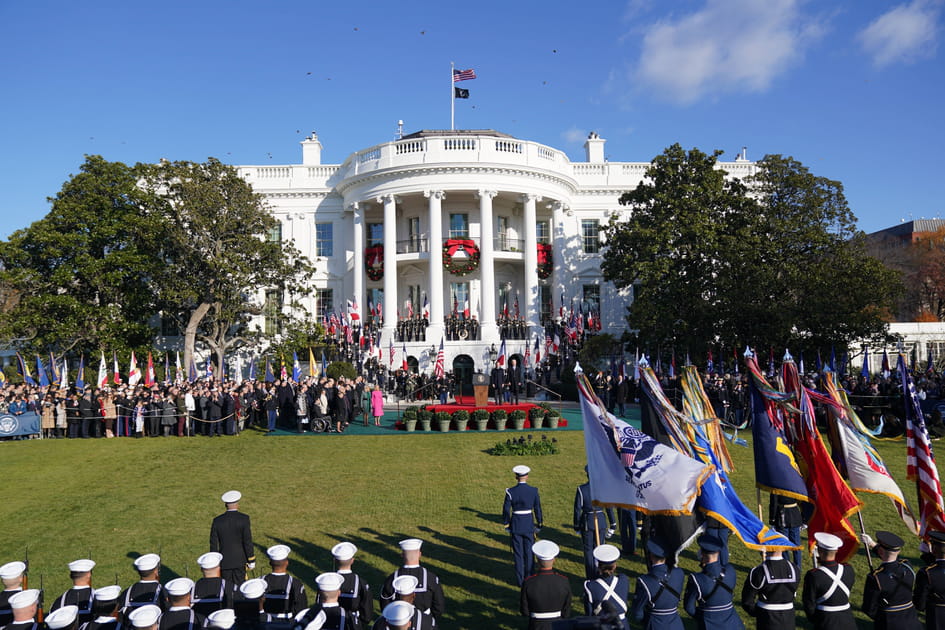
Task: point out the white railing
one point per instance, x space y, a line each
410 146
459 144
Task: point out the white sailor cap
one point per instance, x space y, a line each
107 593
179 586
344 551
405 584
253 589
521 470
24 599
606 554
144 616
545 550
62 617
210 560
828 542
147 562
410 544
222 619
12 570
233 496
81 566
278 552
330 581
398 613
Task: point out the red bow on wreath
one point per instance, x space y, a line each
374 262
460 266
545 265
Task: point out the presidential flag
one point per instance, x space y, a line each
296 367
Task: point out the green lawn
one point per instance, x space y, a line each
114 499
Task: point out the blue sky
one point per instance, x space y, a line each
852 88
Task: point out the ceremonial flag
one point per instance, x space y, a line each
324 365
24 370
556 344
528 357
208 370
500 360
3 379
354 314
438 369
776 470
179 370
80 377
920 461
283 373
463 75
296 368
537 351
390 353
771 362
134 375
102 372
167 367
580 319
252 369
426 307
41 371
311 362
709 364
404 366
843 364
270 377
865 372
192 370
914 358
466 309
64 374
408 306
800 364
53 368
672 365
590 320
886 370
116 373
820 363
149 376
561 309
930 367
833 360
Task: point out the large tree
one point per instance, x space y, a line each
772 261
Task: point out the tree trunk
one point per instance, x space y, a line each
190 333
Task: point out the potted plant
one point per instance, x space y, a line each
499 418
481 418
461 419
425 417
518 419
553 418
443 419
537 417
410 419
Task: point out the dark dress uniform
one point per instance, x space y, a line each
827 596
785 517
420 621
211 594
285 596
356 598
428 594
336 617
6 613
708 597
24 625
887 597
606 596
81 597
521 513
585 516
181 618
140 594
929 594
656 599
101 623
231 535
545 597
768 594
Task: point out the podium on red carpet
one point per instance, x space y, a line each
481 389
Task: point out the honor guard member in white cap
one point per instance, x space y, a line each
769 591
708 597
211 592
222 619
929 594
25 605
80 572
104 609
145 617
608 595
395 616
827 588
326 613
593 523
405 591
521 513
147 590
356 596
231 535
656 599
887 591
249 602
12 576
546 595
63 618
179 615
429 592
285 595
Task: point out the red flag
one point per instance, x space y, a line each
149 376
438 368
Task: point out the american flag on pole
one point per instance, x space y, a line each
438 369
390 352
463 75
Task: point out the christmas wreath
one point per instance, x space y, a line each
461 266
545 266
374 262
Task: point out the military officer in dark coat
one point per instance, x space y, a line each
12 576
231 535
80 595
429 592
609 594
768 592
521 514
211 592
827 588
708 597
546 595
104 609
887 591
593 523
356 596
147 590
179 615
285 595
327 612
656 599
929 594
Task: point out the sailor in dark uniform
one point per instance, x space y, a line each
12 576
326 614
211 592
231 535
104 609
285 595
546 595
147 590
887 591
593 523
521 514
356 596
609 594
249 603
827 588
405 591
429 591
708 597
179 615
80 572
25 605
656 599
144 617
222 619
395 616
785 515
63 618
929 594
768 592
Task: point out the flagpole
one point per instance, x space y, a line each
869 556
452 100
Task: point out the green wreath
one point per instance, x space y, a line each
460 268
545 263
374 262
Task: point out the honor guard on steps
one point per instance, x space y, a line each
356 596
608 595
929 594
231 535
144 617
546 595
827 588
593 523
395 616
25 605
80 595
521 514
211 592
768 592
248 604
708 597
429 592
887 591
285 595
656 599
12 576
104 609
147 590
405 591
63 618
179 615
223 619
326 614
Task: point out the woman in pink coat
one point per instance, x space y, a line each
377 405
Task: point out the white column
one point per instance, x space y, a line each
358 227
390 265
532 308
556 229
487 265
436 264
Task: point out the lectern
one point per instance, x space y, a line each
481 389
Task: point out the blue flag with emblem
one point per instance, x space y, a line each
270 377
296 367
41 372
252 369
80 376
24 370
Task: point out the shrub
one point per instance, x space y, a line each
523 446
480 414
341 368
441 416
500 414
518 414
424 415
461 416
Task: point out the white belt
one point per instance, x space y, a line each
716 608
770 606
522 512
545 615
664 611
833 608
283 615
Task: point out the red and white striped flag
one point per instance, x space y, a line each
920 461
438 368
391 352
463 75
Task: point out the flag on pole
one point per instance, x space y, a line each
466 309
134 375
192 370
53 367
167 367
459 92
116 373
24 370
354 313
80 377
252 369
390 353
296 368
41 372
527 361
537 352
270 377
208 370
64 374
324 365
885 368
283 373
865 372
426 307
463 75
438 368
404 365
311 362
178 370
500 360
102 372
149 379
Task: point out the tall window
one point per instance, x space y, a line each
376 300
414 300
544 300
324 243
375 234
324 298
413 233
459 296
505 300
591 299
590 235
502 234
543 232
275 233
272 312
459 226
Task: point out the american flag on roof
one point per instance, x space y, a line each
463 75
